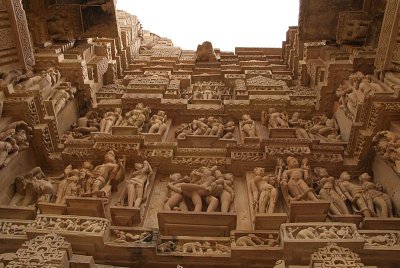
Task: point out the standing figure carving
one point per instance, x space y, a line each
137 185
355 194
111 119
265 194
104 175
248 126
377 201
293 180
329 193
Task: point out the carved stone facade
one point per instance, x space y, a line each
117 145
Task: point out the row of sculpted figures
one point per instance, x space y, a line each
207 188
298 183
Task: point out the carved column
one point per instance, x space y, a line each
20 35
388 51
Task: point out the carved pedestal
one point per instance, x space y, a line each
86 206
14 212
196 224
308 211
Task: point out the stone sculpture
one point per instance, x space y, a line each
158 123
14 77
111 119
86 124
302 126
329 193
265 194
204 184
60 97
69 186
377 201
205 53
31 188
14 139
275 119
104 175
355 194
293 180
387 146
125 237
137 185
324 128
210 126
252 240
248 126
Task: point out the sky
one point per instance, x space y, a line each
226 23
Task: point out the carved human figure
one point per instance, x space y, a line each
205 52
110 119
354 193
136 186
223 189
31 188
175 199
293 181
60 98
300 125
158 123
265 194
248 126
216 127
328 192
387 145
13 77
69 186
377 200
86 177
198 187
86 124
324 128
229 128
13 139
276 119
39 82
137 117
103 175
200 127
